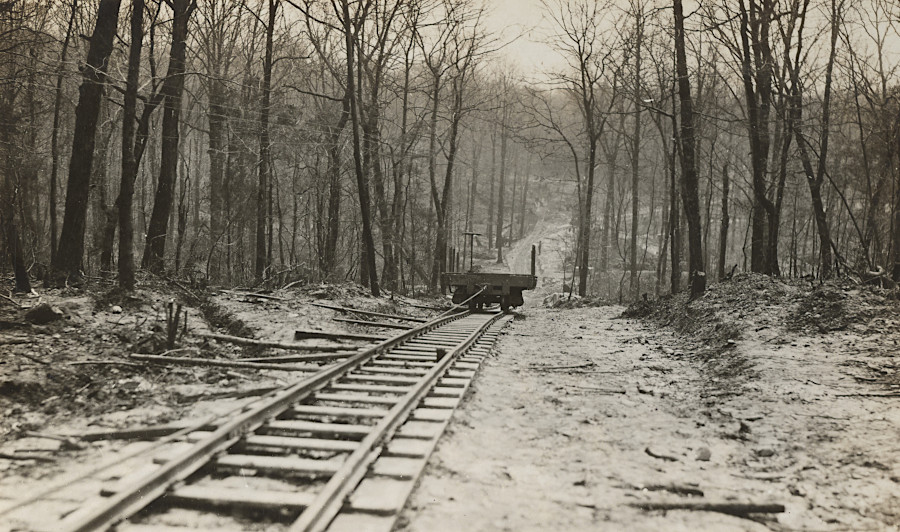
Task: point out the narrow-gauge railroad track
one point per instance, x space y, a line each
339 450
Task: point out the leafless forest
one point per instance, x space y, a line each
243 142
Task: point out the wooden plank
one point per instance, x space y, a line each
108 490
370 313
466 366
170 452
384 324
400 355
441 402
421 430
372 388
140 433
449 382
431 414
381 496
301 334
409 447
437 342
397 467
381 378
140 527
415 349
390 370
443 391
357 398
402 363
286 442
311 427
356 522
232 497
286 464
197 435
458 374
336 411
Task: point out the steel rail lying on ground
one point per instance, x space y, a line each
139 494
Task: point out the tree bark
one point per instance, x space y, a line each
70 252
723 228
690 193
54 135
262 257
173 88
362 183
635 156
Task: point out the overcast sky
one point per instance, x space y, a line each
525 19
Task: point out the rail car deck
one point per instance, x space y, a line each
503 288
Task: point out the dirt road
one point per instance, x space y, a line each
579 415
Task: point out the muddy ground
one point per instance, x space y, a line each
761 392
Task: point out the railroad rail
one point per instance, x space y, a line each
340 449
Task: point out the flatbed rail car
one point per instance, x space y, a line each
503 288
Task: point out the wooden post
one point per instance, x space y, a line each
533 256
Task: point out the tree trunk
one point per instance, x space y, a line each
490 211
54 135
70 252
723 228
218 124
16 253
361 178
262 263
690 193
635 159
157 231
499 235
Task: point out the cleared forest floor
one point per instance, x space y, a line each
762 391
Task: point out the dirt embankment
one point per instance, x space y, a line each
73 374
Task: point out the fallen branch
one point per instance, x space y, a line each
730 508
255 392
67 443
141 433
678 489
31 358
179 350
293 284
384 324
16 341
660 456
301 334
11 300
602 390
551 368
370 313
8 456
301 358
275 345
254 294
103 363
872 394
183 361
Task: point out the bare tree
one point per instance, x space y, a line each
690 193
173 89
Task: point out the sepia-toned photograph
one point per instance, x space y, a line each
449 265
